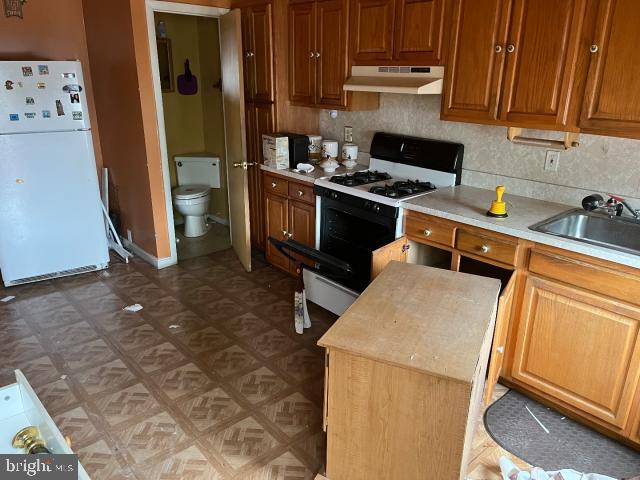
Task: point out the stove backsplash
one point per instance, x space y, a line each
599 164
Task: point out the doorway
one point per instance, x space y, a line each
191 81
195 51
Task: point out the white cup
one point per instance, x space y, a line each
330 149
350 151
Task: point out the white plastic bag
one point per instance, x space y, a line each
511 472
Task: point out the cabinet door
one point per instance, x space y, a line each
371 30
580 348
302 225
612 100
418 31
474 69
261 55
302 50
541 56
396 250
331 57
503 317
276 226
260 119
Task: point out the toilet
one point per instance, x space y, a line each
197 175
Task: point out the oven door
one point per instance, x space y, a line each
351 233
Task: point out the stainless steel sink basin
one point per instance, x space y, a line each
618 233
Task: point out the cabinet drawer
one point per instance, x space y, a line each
301 192
276 185
430 229
597 278
493 248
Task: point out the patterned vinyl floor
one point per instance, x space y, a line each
208 381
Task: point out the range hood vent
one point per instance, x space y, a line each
412 80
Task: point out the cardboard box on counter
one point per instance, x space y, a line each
275 150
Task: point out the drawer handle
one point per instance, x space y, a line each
485 248
274 184
427 232
300 193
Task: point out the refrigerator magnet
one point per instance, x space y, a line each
43 69
14 117
75 97
77 115
27 72
30 101
59 108
68 75
72 88
46 113
41 85
30 115
8 85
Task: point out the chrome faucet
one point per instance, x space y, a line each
614 206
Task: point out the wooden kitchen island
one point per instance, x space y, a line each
405 370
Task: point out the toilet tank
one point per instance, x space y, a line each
198 169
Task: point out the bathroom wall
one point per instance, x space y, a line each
599 164
195 123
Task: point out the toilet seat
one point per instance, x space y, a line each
191 192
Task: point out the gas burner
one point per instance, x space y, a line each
360 178
402 189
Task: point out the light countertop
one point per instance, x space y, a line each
313 176
469 205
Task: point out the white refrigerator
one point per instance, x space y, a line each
51 221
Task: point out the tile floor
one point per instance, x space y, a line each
216 239
208 381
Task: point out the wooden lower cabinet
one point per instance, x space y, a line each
580 348
287 217
276 226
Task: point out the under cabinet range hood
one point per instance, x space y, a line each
412 80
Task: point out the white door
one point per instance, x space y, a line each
235 138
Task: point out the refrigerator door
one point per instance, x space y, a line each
51 220
42 97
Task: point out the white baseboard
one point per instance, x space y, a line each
159 263
220 220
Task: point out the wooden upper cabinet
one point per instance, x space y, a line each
474 68
541 54
302 53
419 31
612 99
331 55
371 30
561 325
260 22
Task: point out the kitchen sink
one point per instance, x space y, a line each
618 233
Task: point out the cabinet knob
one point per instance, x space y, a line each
300 193
593 48
274 184
427 232
284 233
485 248
498 48
317 54
289 235
511 48
311 55
500 349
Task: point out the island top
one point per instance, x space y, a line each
421 318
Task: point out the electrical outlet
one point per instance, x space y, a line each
552 160
348 134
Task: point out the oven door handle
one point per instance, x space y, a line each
324 262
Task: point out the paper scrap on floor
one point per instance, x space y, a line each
136 307
511 472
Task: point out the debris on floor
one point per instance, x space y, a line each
136 307
7 299
511 472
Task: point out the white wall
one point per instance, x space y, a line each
599 164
